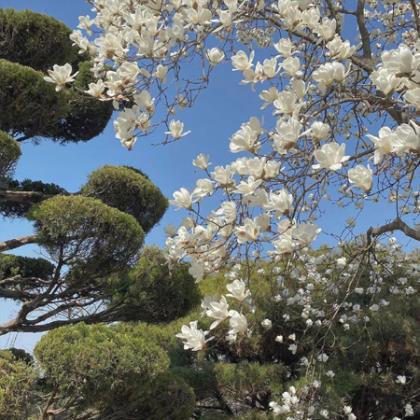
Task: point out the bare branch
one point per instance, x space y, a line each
18 242
396 224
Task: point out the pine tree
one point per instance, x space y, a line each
89 237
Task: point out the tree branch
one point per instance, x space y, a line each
396 224
18 242
364 33
20 196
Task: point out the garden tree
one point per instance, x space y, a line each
86 237
339 84
367 356
101 372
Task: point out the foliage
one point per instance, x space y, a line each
129 191
155 292
88 235
98 365
9 154
35 40
17 379
41 111
14 265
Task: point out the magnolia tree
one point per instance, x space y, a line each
339 84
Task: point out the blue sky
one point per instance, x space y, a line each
217 114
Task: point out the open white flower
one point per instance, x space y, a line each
215 56
361 176
193 337
330 156
218 311
182 199
237 322
241 61
201 161
61 75
176 129
238 290
248 232
280 201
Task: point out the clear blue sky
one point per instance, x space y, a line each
218 113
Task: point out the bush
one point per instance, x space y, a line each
35 40
9 154
128 190
17 379
93 238
100 365
153 292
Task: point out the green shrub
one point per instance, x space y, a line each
128 190
154 292
93 238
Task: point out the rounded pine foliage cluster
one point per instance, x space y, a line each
155 292
31 43
89 234
9 154
128 190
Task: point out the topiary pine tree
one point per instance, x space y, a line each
89 237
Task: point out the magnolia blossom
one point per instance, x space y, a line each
280 202
329 73
249 231
182 199
330 156
238 290
215 56
361 176
218 311
241 61
266 324
340 49
201 161
176 129
61 75
194 338
383 143
237 322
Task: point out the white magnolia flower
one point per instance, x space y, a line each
238 290
386 81
279 339
330 156
361 176
245 139
291 65
328 73
196 270
218 311
96 89
412 96
326 29
176 129
182 199
237 322
60 75
215 56
194 338
401 379
285 47
305 233
280 201
241 61
161 72
320 130
204 187
266 324
383 143
248 232
201 161
249 187
340 49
